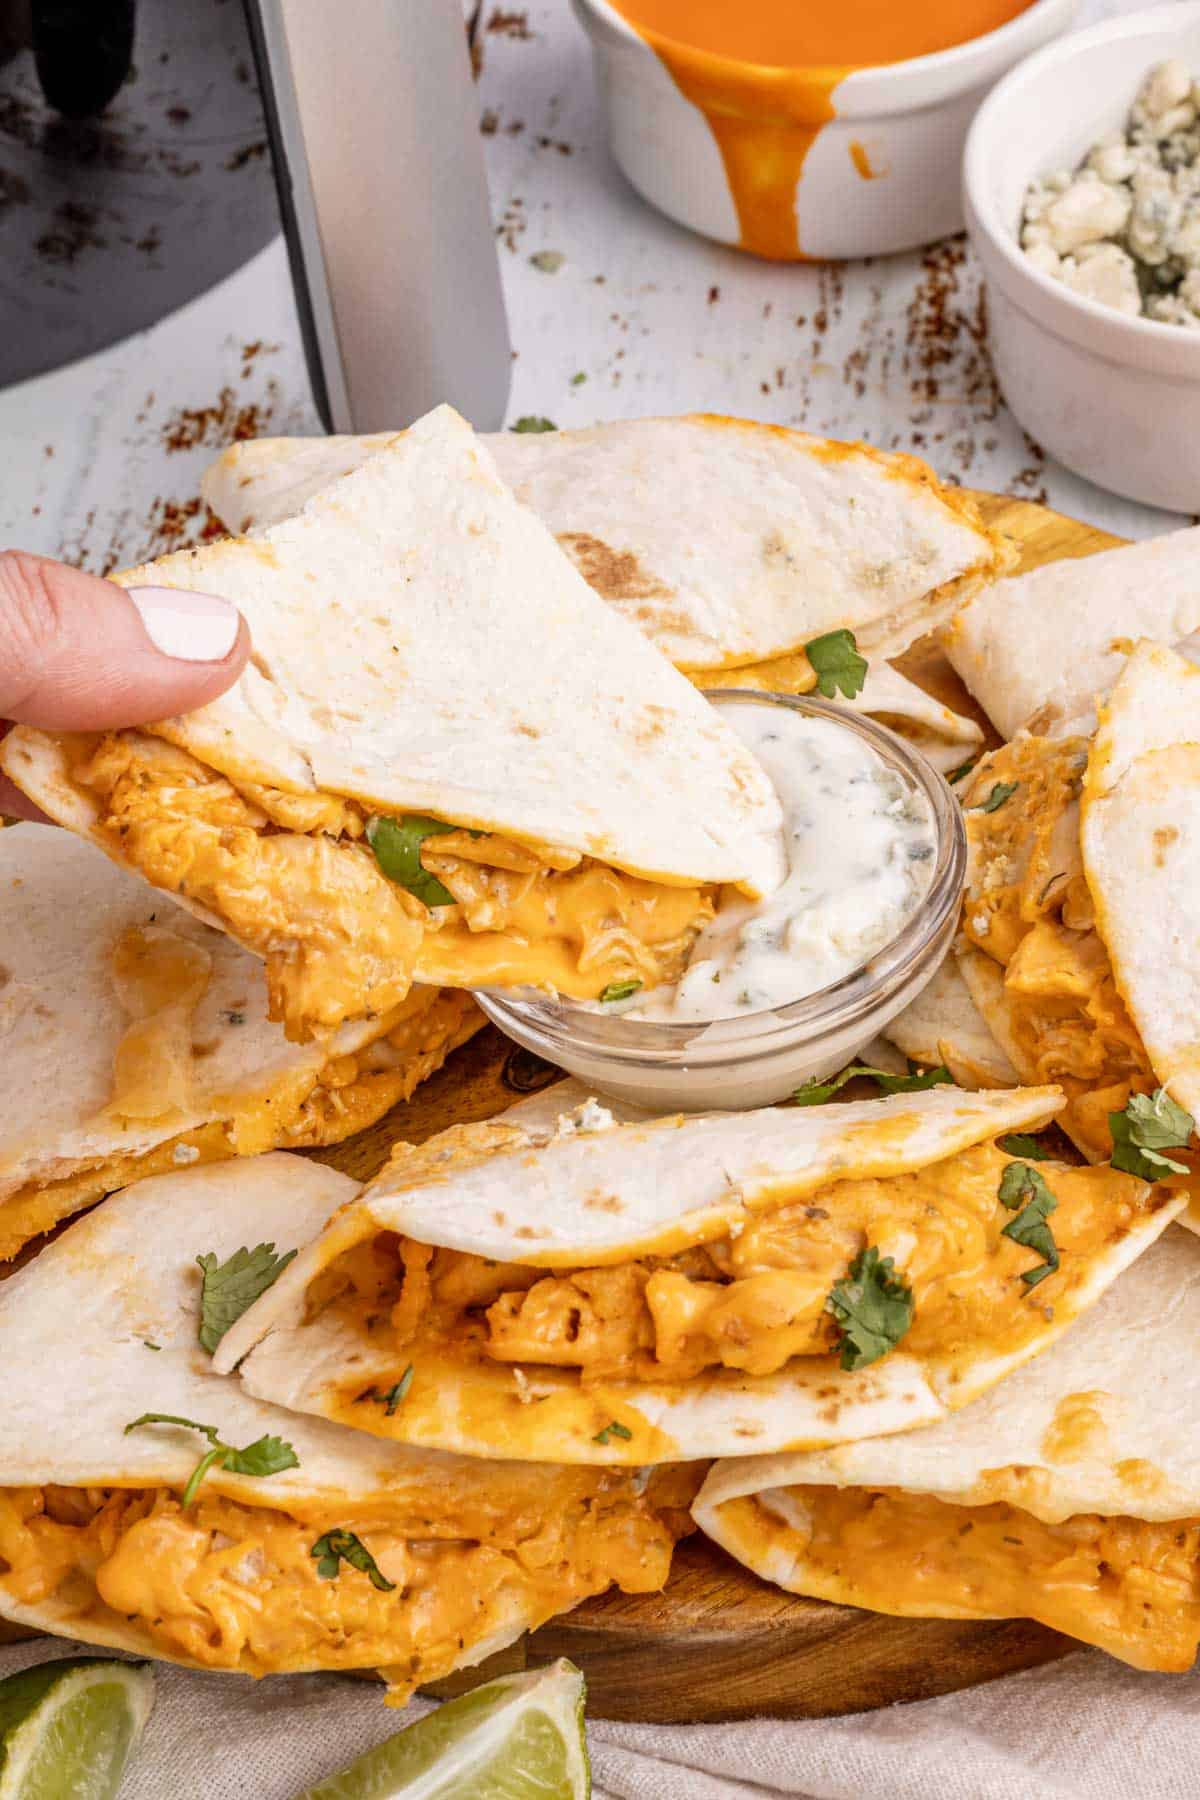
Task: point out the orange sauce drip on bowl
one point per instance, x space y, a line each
763 73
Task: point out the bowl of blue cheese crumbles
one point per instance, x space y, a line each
1082 194
1123 227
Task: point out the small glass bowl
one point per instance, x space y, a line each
759 1058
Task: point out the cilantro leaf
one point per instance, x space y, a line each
815 1092
873 1306
337 1547
964 768
230 1287
1020 1143
531 422
1149 1125
1023 1186
614 1429
397 846
265 1456
394 1395
1001 791
619 990
837 664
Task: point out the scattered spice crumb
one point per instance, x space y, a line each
548 261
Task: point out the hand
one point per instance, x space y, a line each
81 654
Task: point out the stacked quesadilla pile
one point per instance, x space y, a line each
899 1353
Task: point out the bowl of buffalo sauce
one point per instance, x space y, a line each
805 129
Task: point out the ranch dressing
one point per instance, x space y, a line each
861 848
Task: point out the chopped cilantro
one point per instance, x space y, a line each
1023 1186
265 1456
614 1429
837 664
531 422
1001 791
394 1395
397 846
337 1547
232 1016
619 990
1149 1125
151 1346
548 262
873 1306
1019 1143
964 768
230 1287
815 1092
578 379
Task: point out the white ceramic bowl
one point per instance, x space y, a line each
1116 399
909 120
760 1058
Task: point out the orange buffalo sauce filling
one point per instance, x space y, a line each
1129 1586
293 879
763 73
231 1586
1029 909
752 1301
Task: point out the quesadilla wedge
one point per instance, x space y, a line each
135 1040
446 760
1070 1495
693 1286
1081 925
149 1504
943 1026
1037 649
729 543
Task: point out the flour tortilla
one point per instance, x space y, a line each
422 645
1037 649
595 1193
1140 835
727 542
1134 1362
65 913
75 1330
943 1025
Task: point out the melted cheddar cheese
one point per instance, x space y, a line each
752 1301
291 878
1029 909
1129 1586
230 1586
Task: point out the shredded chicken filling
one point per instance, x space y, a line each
231 1586
755 1300
293 879
1028 907
1129 1586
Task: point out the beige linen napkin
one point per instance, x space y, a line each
1083 1729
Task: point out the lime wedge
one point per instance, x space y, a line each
67 1729
519 1738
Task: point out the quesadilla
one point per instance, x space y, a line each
1036 650
695 1286
136 1040
1071 1496
944 1027
148 1504
1081 947
447 760
729 543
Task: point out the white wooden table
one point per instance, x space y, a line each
101 460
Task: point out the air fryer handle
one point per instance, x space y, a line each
83 50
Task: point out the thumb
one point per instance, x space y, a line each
81 654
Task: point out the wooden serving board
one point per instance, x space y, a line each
718 1643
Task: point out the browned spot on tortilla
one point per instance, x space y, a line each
1164 837
5 976
615 574
609 1203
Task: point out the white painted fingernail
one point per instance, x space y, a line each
190 627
